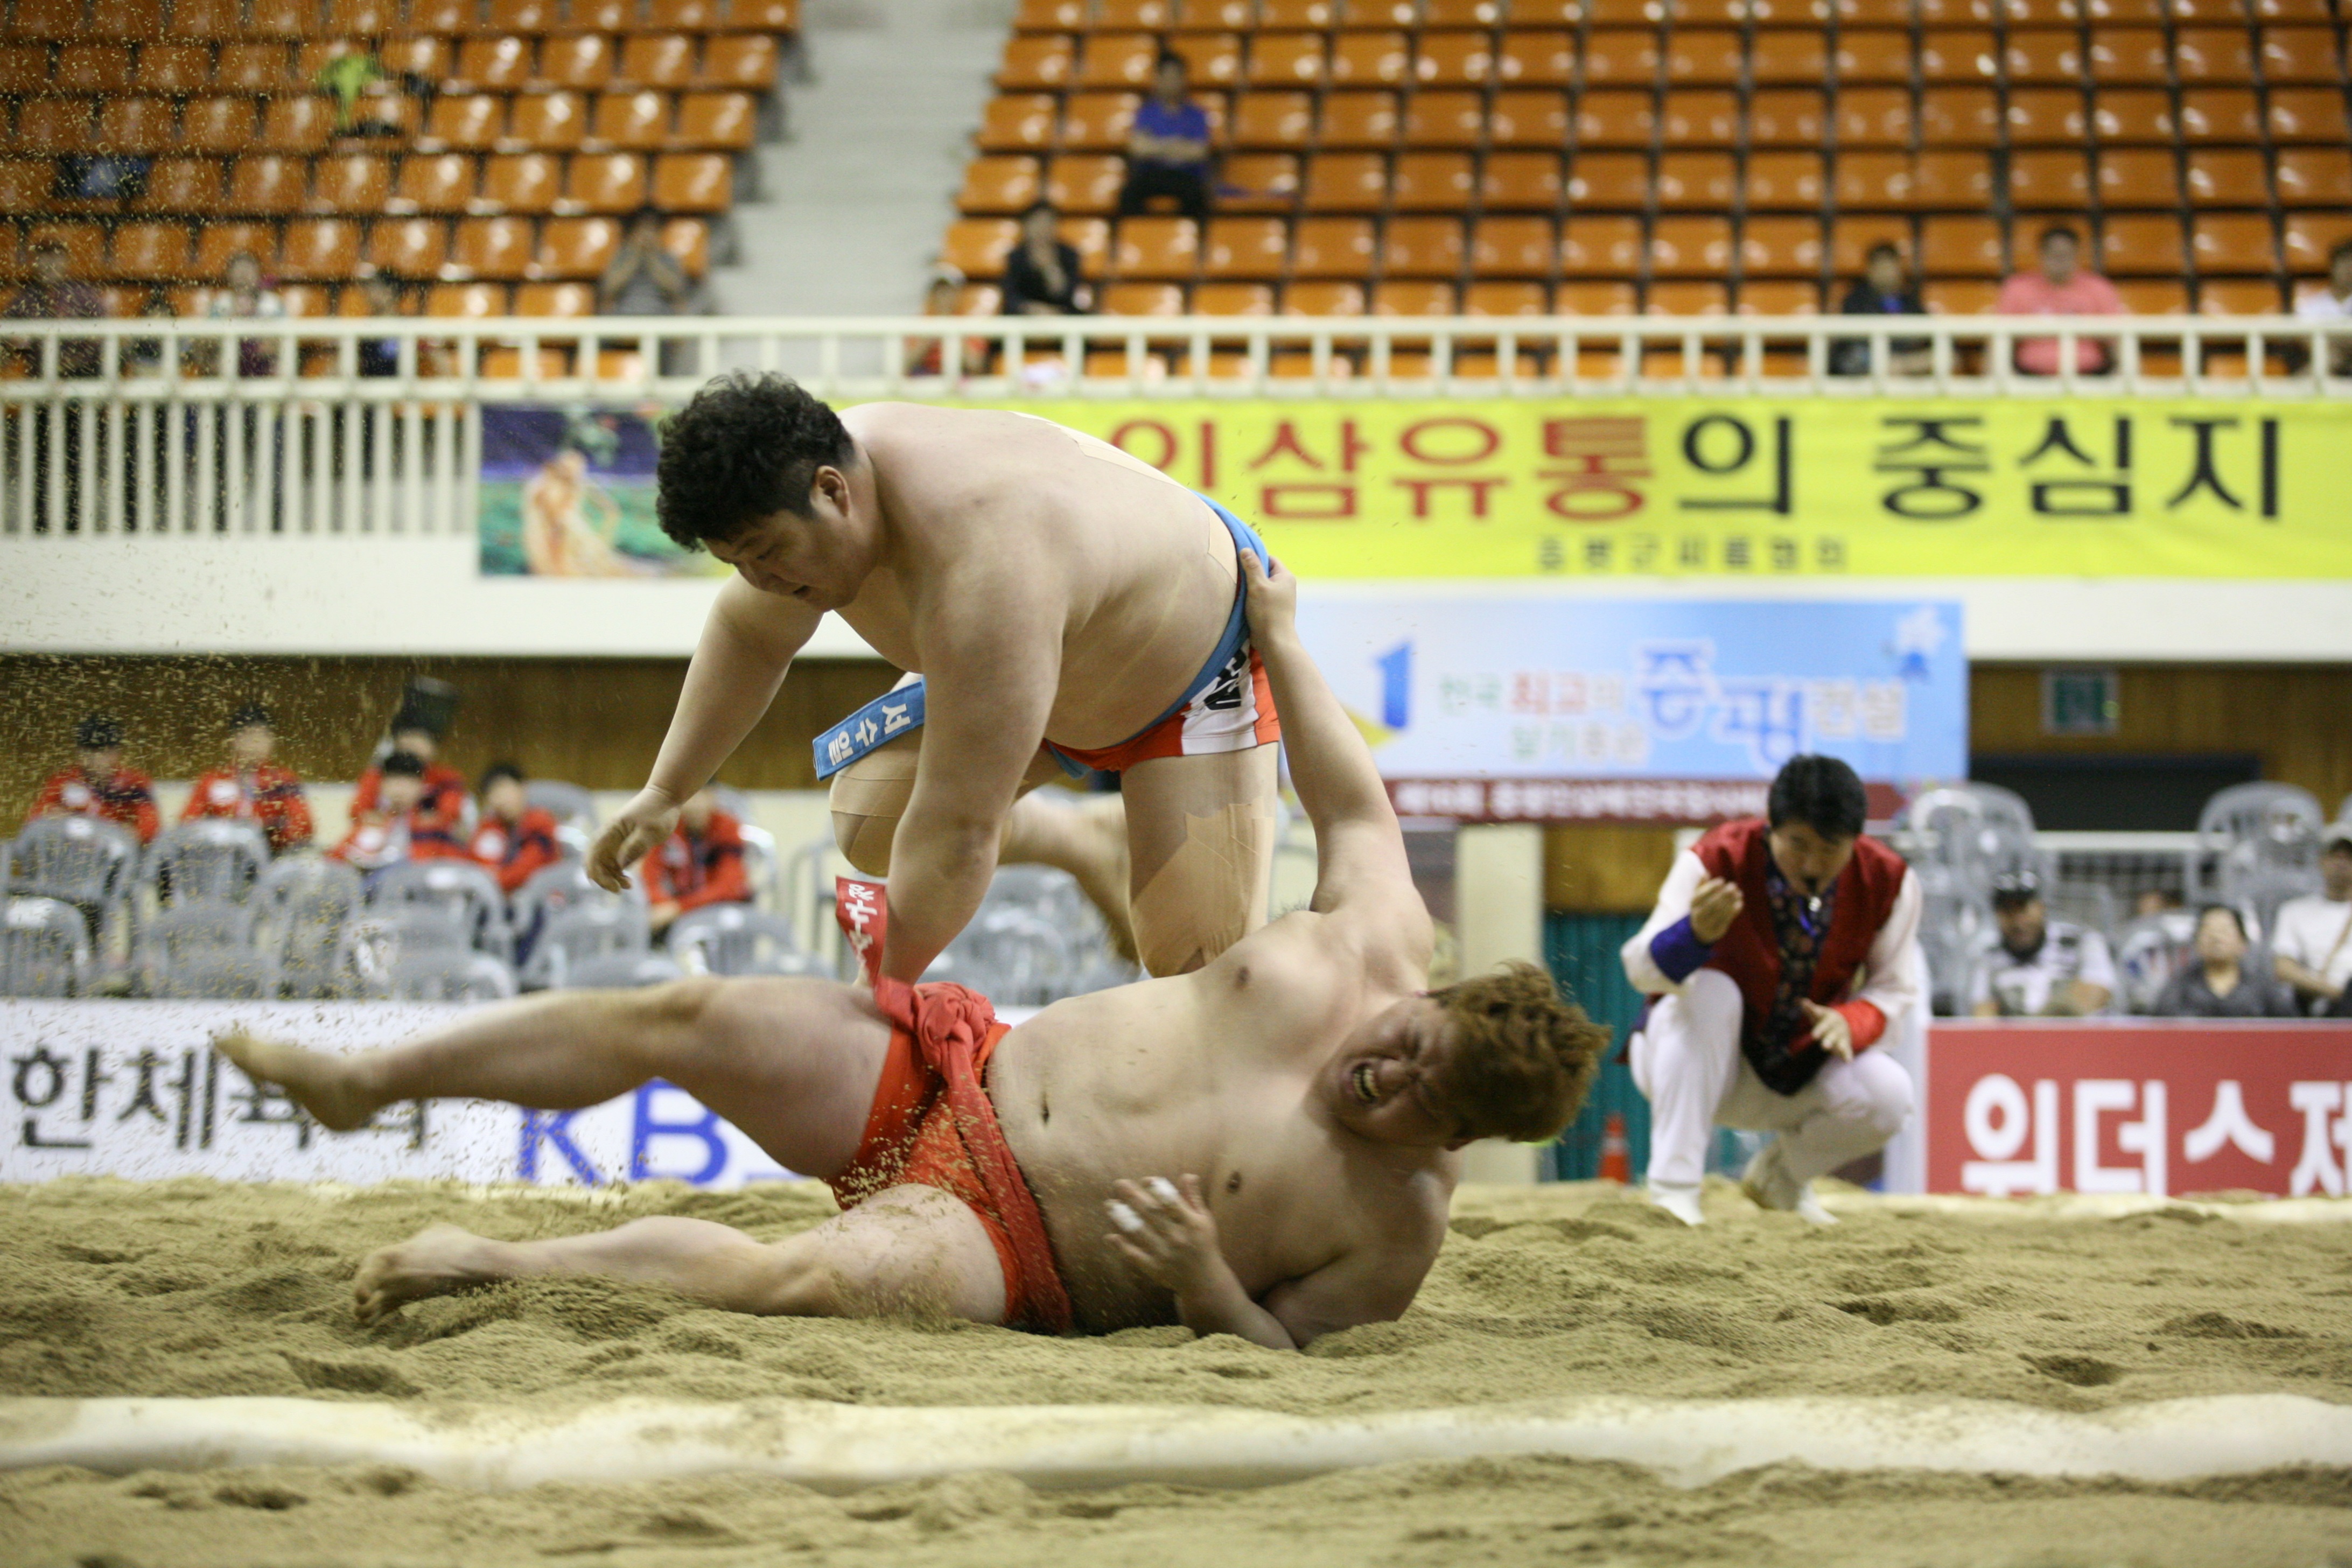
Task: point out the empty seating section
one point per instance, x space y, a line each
491 148
1411 156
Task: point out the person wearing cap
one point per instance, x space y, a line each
98 784
440 813
514 838
2043 968
401 823
2311 939
1781 949
253 788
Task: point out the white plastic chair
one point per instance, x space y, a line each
461 886
44 949
213 859
738 940
450 976
581 934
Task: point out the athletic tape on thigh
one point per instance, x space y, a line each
1210 893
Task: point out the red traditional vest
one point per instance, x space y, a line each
1749 952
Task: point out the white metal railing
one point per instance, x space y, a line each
148 424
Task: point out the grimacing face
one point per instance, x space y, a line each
1380 1081
1808 858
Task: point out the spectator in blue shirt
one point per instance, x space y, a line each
1168 150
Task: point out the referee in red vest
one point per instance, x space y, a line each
1780 951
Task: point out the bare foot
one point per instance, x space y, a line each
440 1260
321 1084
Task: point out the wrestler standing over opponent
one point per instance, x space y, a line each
1064 603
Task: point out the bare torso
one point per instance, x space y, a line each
1143 571
1211 1073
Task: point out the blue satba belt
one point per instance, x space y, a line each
895 712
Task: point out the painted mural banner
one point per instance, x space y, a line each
2156 1106
1491 707
1762 488
569 492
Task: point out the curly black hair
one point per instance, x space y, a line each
748 447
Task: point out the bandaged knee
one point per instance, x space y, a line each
868 798
1210 893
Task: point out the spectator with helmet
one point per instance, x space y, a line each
2218 985
701 863
440 814
1781 949
2060 286
2311 945
253 788
401 821
98 784
2043 968
514 838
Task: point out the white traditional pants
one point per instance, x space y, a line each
1688 1060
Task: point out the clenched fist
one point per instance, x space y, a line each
635 829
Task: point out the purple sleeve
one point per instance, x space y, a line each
1677 951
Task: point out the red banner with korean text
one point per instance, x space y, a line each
2146 1105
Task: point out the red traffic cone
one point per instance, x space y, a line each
1616 1154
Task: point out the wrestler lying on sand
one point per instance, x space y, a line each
1265 1147
1064 606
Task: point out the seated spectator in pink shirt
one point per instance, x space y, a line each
2062 288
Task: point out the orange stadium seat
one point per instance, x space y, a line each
1414 297
689 240
1852 240
2041 14
1143 300
2153 296
1134 16
2049 181
1431 182
1867 181
2228 243
693 182
2137 177
2290 10
720 122
2305 115
670 16
2043 59
1453 60
1421 247
495 64
93 68
1244 248
745 61
466 301
1310 15
1286 61
1323 298
1258 182
1211 59
53 125
1785 116
1962 246
1050 17
266 183
2229 177
2146 243
977 246
2133 116
1958 58
548 122
178 185
1506 299
603 182
1584 298
2213 57
1345 182
1118 60
1004 184
1264 121
24 67
1085 182
1700 116
408 246
216 242
1964 296
1359 119
2219 114
1026 121
179 68
442 17
2045 116
137 124
638 122
1960 116
136 20
2311 238
433 183
1687 297
1778 296
1789 59
1960 182
85 245
1370 60
1614 119
24 190
2237 297
575 248
426 57
1781 246
1098 121
320 248
1609 180
2314 178
1462 12
1533 117
2300 56
491 247
1621 57
1873 59
281 19
48 18
1875 117
1091 237
468 121
1513 248
2130 56
1690 247
152 250
1784 181
361 18
1332 247
298 124
213 124
1215 17
1233 300
1700 182
1037 63
520 182
1521 181
1536 60
571 299
1157 247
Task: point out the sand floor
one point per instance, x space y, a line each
194 1288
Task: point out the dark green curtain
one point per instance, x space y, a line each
1583 952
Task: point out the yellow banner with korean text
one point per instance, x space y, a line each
2030 486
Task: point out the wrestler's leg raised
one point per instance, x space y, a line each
1199 834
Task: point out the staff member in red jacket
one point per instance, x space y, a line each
441 812
514 837
98 784
1781 950
701 863
252 787
400 825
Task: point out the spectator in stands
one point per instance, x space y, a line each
2218 985
514 837
1168 148
245 295
98 784
1884 288
701 864
253 788
2061 287
2310 942
2043 968
1041 275
944 297
440 812
2332 301
385 297
643 279
55 295
398 821
145 356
